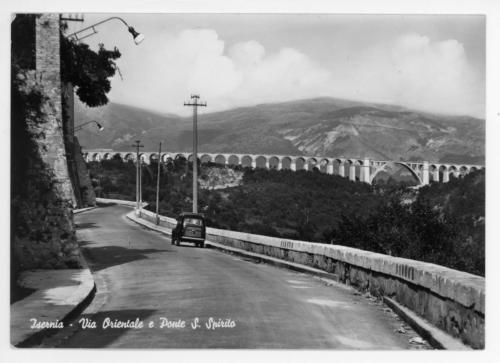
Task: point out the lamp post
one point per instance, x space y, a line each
138 37
79 127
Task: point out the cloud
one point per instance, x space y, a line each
198 61
434 75
411 70
416 72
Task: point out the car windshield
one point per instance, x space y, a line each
193 221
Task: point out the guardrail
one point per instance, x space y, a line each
452 300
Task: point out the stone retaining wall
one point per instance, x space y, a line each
452 300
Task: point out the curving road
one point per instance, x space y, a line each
140 275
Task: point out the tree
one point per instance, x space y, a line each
87 70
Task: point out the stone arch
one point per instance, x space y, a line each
300 163
384 166
233 160
179 157
338 167
168 159
96 157
261 161
153 157
246 161
129 157
220 159
415 172
117 156
358 166
206 158
274 162
443 173
286 163
473 168
324 165
311 163
463 170
106 156
352 169
434 173
453 171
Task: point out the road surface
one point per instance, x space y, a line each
141 277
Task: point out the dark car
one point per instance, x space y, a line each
190 228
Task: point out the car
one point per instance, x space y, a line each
190 227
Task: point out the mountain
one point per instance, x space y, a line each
320 126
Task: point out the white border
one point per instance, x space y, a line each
487 7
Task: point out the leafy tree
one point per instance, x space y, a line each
87 70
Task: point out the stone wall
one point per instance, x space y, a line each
85 189
43 234
452 300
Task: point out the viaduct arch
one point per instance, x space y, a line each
356 169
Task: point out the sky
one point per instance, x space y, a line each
432 63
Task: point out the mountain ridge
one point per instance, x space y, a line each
320 126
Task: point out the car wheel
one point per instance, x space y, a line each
202 245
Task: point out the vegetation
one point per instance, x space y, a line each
87 70
440 223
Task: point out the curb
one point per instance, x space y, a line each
81 210
87 289
437 338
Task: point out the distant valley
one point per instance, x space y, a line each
321 126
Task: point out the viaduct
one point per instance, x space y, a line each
362 169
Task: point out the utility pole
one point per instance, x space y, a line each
158 187
137 176
194 102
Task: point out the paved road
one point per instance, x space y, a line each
140 275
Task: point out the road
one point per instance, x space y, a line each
140 275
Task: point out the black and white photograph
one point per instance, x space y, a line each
248 180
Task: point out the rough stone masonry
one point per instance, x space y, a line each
43 229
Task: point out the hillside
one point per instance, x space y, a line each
440 223
322 126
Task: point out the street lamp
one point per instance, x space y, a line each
79 127
138 37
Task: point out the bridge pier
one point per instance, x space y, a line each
352 172
365 171
254 163
446 176
342 169
280 164
293 165
329 168
436 175
425 173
